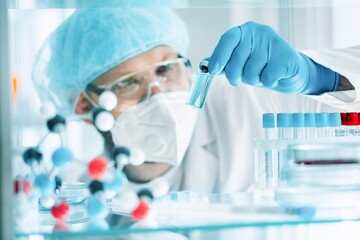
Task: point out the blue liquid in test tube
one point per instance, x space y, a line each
200 86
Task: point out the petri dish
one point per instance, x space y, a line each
322 165
322 175
323 154
73 192
77 216
330 197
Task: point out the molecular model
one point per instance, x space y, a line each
108 186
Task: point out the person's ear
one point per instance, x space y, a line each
83 105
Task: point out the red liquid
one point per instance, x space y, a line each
327 162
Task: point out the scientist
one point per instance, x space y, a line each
140 56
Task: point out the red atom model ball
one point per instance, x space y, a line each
140 211
60 211
97 167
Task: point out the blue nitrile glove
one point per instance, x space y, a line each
256 55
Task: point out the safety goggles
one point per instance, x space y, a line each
134 88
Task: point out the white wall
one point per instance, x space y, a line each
303 27
346 26
205 27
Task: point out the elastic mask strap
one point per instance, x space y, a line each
90 99
89 115
82 117
92 88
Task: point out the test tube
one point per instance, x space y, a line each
321 123
334 123
343 132
353 122
269 134
358 126
283 123
310 130
200 86
298 123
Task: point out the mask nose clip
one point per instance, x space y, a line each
155 87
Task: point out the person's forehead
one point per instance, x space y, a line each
136 63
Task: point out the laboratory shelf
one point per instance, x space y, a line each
177 229
238 211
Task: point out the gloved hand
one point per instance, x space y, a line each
255 54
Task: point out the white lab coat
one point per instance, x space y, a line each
220 157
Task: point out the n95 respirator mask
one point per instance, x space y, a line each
161 126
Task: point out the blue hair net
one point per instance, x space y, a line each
92 41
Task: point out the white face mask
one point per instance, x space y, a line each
162 127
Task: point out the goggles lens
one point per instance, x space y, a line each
134 88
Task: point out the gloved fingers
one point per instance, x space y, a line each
224 49
208 59
272 73
235 67
255 64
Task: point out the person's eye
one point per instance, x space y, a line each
163 69
125 86
126 83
